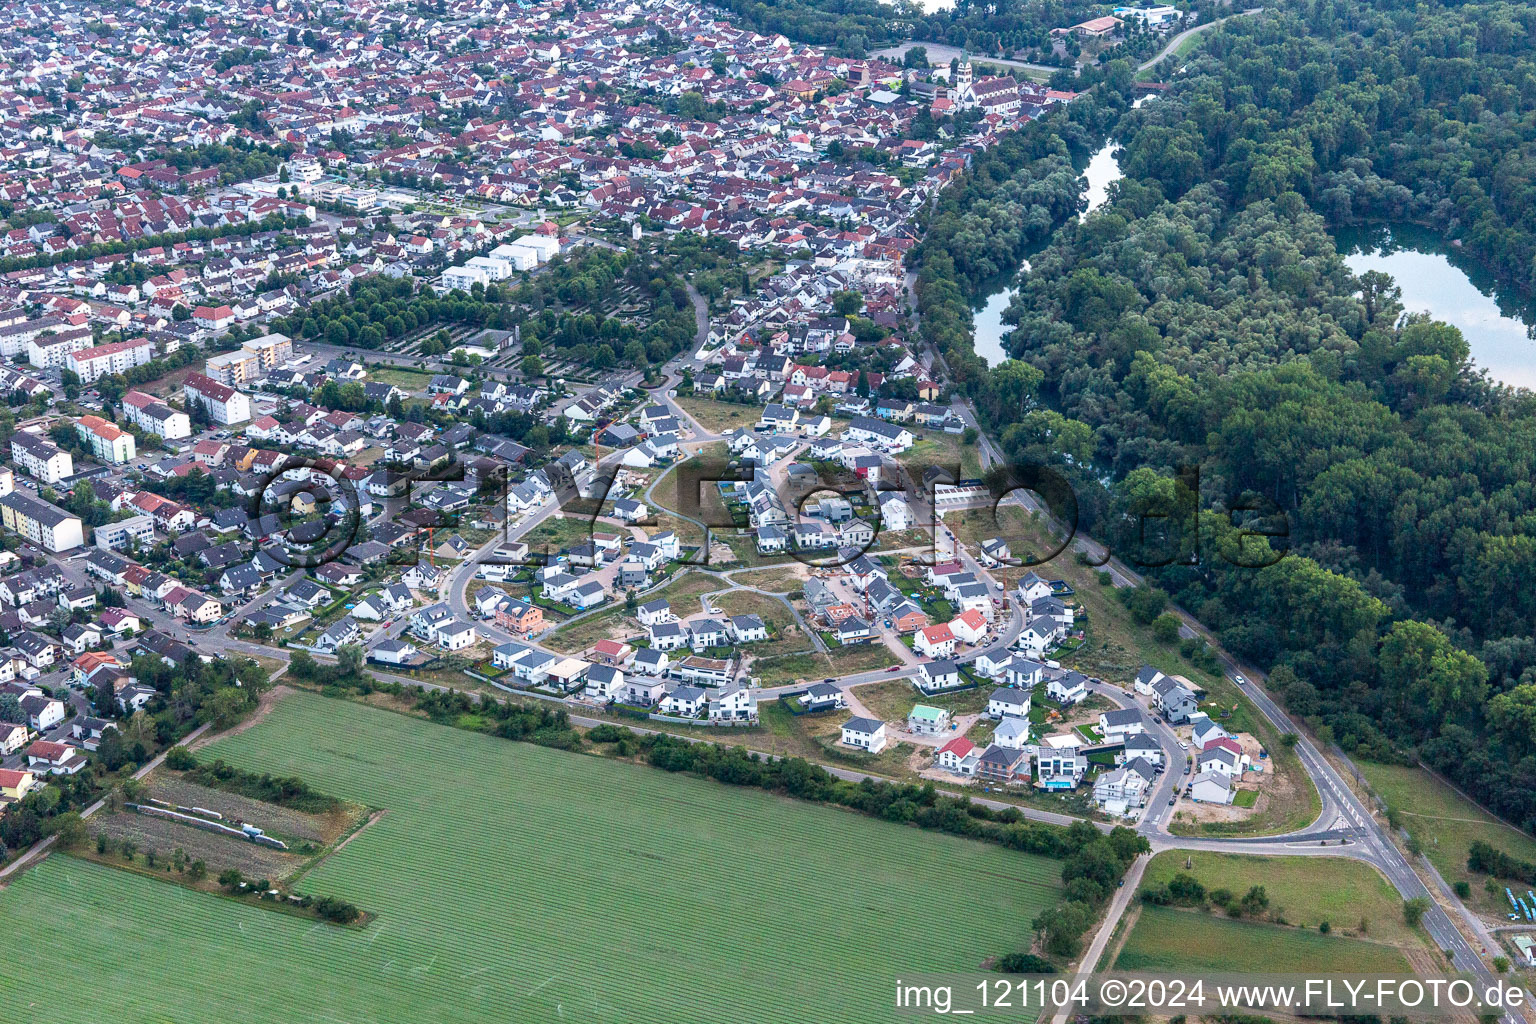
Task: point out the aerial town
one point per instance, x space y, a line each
558 415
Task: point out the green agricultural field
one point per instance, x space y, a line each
1447 823
1303 891
516 883
1186 940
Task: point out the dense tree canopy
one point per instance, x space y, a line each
1203 334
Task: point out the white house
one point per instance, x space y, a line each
1121 722
706 633
1146 679
653 612
933 676
889 436
895 513
455 636
1068 688
1032 588
1007 702
735 703
668 636
936 641
865 734
642 691
684 700
1224 755
587 595
393 652
746 629
1204 731
969 626
1144 746
1123 790
959 756
923 720
1211 788
1024 673
1012 733
650 662
1042 632
604 683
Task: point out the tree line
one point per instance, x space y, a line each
1200 344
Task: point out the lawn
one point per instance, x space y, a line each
784 634
1117 646
1184 940
517 883
707 504
719 417
409 380
893 699
1302 891
851 660
683 594
782 580
559 532
1446 823
816 737
937 448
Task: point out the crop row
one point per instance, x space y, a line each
510 880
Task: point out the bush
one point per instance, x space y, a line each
1023 963
1325 927
1413 911
1485 859
337 911
292 792
1463 888
1186 890
1165 628
1146 603
180 759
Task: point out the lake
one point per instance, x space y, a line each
1102 170
1436 278
988 321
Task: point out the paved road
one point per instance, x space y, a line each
1176 41
42 846
940 54
1117 908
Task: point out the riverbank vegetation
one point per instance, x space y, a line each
1199 344
1010 200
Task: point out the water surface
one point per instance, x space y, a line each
1437 278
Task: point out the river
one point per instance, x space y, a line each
1437 279
1102 170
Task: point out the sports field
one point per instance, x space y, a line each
516 883
1188 940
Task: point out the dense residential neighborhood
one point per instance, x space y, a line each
498 434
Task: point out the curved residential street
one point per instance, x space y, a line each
1344 826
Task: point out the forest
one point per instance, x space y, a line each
1011 200
1196 355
